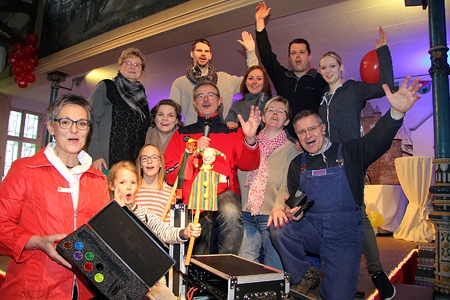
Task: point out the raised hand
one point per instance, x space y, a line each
383 38
402 100
250 127
260 15
247 41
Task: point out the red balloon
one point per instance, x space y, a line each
34 49
12 61
29 77
369 68
31 39
32 60
19 54
28 66
17 46
27 51
18 78
22 84
17 70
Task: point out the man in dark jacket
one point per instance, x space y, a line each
302 86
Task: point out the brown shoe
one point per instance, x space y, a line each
310 280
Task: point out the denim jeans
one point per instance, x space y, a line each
222 230
256 244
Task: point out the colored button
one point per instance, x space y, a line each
89 255
67 245
99 267
79 245
99 277
88 266
78 255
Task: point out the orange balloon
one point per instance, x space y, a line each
369 68
376 219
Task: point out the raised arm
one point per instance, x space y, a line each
262 12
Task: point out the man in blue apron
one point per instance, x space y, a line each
332 175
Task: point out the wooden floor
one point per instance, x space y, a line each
392 252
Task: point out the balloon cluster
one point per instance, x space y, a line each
23 60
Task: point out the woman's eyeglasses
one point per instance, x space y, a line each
153 158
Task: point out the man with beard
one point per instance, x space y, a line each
202 70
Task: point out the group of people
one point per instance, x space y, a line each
252 154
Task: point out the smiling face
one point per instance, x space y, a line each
299 58
255 81
125 185
331 70
201 55
131 68
311 134
275 116
150 162
209 104
165 118
69 142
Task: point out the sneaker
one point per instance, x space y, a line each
384 286
310 281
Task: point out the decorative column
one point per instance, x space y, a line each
439 73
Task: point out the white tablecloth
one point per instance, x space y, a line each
416 175
387 200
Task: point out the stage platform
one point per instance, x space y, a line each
393 252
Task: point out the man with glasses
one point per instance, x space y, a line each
201 70
222 230
332 175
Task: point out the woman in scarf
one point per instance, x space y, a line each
256 91
265 188
121 114
165 119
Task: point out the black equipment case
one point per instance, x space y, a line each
227 276
116 255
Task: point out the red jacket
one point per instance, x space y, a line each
229 142
30 204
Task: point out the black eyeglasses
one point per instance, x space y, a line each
153 158
66 123
210 95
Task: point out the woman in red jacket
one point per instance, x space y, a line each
46 197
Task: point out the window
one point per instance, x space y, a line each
25 136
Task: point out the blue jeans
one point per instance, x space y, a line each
256 244
222 230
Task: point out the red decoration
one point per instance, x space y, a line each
369 68
29 77
17 70
23 60
22 84
28 66
32 60
31 39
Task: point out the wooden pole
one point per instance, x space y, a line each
170 200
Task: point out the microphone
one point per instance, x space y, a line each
207 127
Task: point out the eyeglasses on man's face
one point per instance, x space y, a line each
273 110
153 158
129 64
66 123
210 95
309 129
